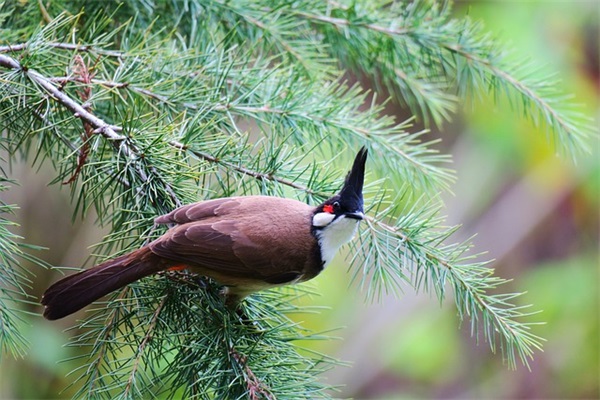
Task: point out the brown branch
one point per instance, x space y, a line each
81 70
99 125
125 85
244 170
9 62
65 46
256 389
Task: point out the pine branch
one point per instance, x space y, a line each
246 171
459 49
98 382
428 31
65 46
424 92
142 346
432 266
402 151
109 132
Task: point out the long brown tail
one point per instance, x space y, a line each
74 292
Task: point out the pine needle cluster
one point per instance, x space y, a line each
144 106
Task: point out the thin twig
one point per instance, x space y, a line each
99 125
9 62
244 170
340 22
142 346
104 340
256 388
84 73
65 46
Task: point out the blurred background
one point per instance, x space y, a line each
536 213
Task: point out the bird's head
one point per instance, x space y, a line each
336 220
348 204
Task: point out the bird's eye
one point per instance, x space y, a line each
336 205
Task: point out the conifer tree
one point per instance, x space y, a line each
143 106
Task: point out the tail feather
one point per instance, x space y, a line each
74 292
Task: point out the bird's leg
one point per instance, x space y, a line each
232 299
233 302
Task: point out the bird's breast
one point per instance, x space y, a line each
333 236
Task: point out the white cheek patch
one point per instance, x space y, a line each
334 236
322 219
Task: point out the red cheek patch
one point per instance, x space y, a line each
328 208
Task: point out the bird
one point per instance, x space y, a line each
244 243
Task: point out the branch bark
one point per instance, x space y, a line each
122 144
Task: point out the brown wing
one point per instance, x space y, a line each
198 211
252 238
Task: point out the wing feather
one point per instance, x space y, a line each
240 238
199 211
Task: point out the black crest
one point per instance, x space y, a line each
351 194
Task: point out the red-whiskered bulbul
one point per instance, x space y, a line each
246 243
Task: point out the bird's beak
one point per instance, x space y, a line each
358 215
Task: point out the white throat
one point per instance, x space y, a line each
334 235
